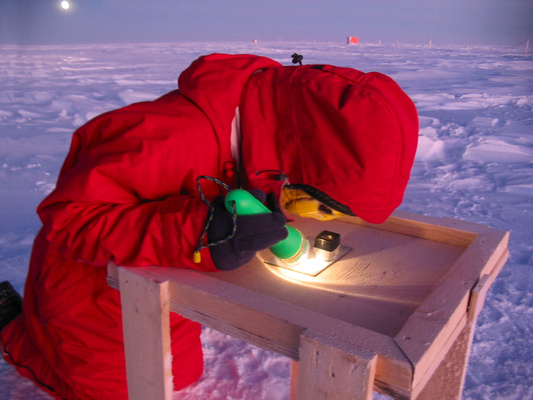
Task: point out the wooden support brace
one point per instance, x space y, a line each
145 320
448 380
333 370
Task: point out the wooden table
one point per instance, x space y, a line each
396 315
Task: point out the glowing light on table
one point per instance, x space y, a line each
332 285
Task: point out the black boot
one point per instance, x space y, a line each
10 304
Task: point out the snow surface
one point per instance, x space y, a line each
475 162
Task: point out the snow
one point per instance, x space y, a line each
474 162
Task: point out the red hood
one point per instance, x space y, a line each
349 134
215 84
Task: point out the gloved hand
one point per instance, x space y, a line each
253 233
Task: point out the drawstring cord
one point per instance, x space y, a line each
197 258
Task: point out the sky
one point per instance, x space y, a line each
468 22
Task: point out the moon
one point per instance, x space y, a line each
65 5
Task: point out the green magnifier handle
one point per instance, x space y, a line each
291 249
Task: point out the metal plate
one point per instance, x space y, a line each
312 266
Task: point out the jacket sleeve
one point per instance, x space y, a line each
125 190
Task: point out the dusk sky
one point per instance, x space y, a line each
468 22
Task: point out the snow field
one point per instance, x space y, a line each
474 162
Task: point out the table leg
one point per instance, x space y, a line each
447 381
145 320
332 370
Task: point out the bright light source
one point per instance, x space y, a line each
65 5
326 251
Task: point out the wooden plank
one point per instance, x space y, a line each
233 308
145 320
243 322
275 325
451 231
329 369
448 380
438 319
439 355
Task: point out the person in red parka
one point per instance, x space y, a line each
335 140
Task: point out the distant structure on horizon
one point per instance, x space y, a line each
353 40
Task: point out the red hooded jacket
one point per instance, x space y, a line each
127 193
